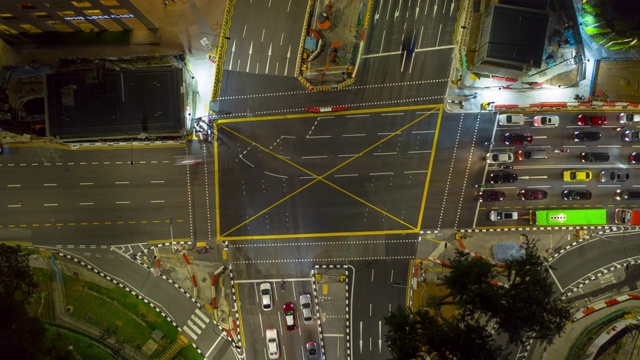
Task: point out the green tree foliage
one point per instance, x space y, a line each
21 336
519 298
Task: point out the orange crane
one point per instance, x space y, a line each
322 22
335 46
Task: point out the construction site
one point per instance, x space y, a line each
333 41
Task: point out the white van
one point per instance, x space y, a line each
629 118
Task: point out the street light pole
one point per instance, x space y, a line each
171 229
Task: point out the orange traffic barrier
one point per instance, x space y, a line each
193 280
186 258
213 280
214 303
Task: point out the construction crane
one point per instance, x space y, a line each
333 53
322 21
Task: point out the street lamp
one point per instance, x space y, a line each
171 229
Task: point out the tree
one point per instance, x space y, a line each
21 336
520 299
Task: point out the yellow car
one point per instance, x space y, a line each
577 175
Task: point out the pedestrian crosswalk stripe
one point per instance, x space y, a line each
194 327
193 336
203 316
195 318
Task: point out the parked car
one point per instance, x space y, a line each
532 154
290 316
312 351
594 156
517 139
265 295
497 157
305 305
628 118
490 195
500 215
532 194
614 175
627 195
586 136
577 175
500 177
592 120
546 121
634 157
511 119
630 136
571 195
273 346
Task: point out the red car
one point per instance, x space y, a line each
290 316
592 120
517 139
530 194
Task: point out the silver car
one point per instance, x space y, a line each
312 351
305 305
265 296
503 215
511 119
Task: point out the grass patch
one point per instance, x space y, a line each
188 353
132 320
80 346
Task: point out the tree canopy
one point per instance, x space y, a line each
519 299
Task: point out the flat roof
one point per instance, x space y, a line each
517 35
84 104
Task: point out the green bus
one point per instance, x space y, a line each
566 217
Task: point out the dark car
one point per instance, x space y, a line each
627 194
586 136
409 44
614 175
634 158
594 156
517 139
532 194
571 195
630 136
290 316
490 195
503 177
592 120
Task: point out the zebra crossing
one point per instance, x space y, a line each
196 324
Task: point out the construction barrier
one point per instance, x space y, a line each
604 304
186 258
194 281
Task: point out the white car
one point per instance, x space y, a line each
511 119
546 121
628 118
265 295
273 346
305 305
496 157
503 215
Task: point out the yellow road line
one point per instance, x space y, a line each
216 183
428 177
408 289
310 115
322 177
328 234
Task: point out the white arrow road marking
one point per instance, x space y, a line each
286 67
250 51
268 59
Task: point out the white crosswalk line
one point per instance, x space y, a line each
203 316
195 318
186 329
194 327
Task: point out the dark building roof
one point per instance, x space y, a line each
530 4
517 36
108 103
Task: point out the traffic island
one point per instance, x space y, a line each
332 42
